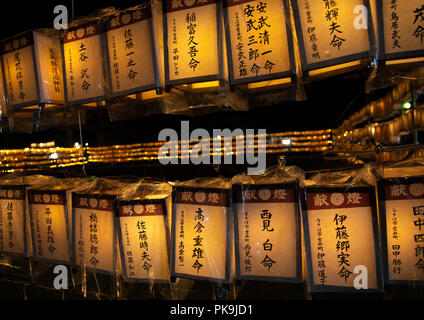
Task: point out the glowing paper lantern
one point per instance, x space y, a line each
402 227
131 52
191 41
259 43
142 233
93 232
267 232
32 64
400 28
201 234
341 238
49 225
83 52
329 32
12 220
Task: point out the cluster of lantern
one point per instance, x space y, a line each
205 44
148 239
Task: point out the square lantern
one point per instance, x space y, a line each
400 30
333 35
83 50
131 52
259 42
32 70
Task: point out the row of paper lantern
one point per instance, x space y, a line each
124 53
260 238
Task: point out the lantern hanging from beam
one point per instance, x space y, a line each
32 70
201 234
400 29
192 35
83 50
402 228
132 58
341 239
259 41
267 232
332 34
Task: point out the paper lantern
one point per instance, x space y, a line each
402 228
93 232
83 52
201 234
267 232
12 220
32 70
341 238
259 43
132 58
192 35
49 225
327 34
142 233
400 29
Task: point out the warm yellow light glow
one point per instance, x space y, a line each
151 94
399 61
338 67
270 83
203 85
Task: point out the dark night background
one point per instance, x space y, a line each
328 102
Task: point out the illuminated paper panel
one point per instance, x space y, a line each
131 59
340 233
401 28
191 41
49 226
83 53
93 232
258 43
327 34
402 216
142 233
267 233
201 234
19 71
12 220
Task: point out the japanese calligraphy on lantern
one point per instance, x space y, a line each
142 234
49 225
83 54
327 33
258 40
340 234
191 41
12 220
19 71
401 28
402 209
49 68
267 232
93 232
201 234
132 58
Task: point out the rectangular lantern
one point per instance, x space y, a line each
132 58
267 232
400 28
32 70
143 240
83 51
332 32
191 41
49 226
259 42
341 238
201 234
12 220
93 232
402 228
